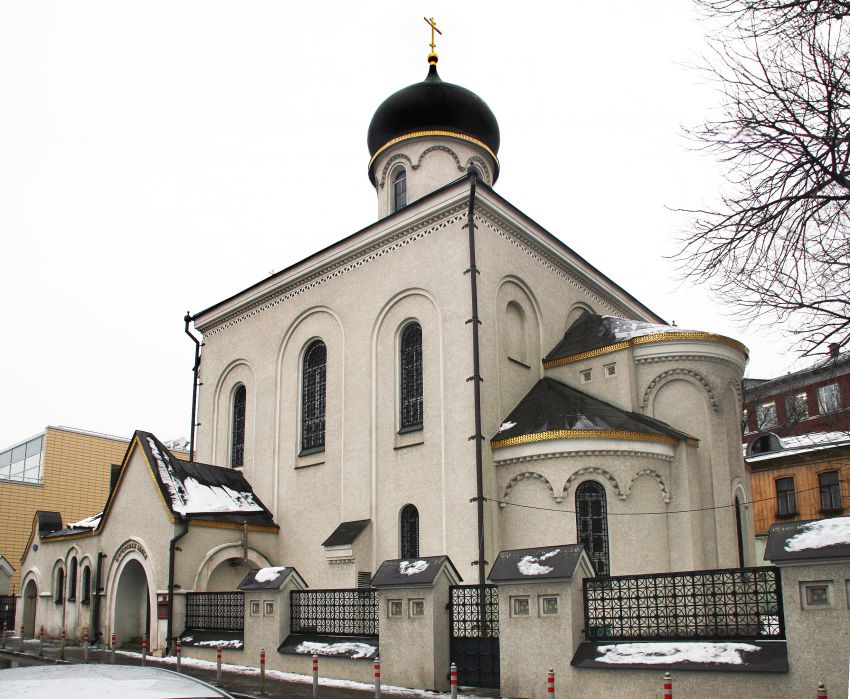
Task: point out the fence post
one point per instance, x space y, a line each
144 648
377 678
453 680
550 684
41 642
262 671
668 686
821 690
177 652
112 649
86 646
315 676
62 644
218 666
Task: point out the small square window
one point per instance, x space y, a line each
268 608
394 607
417 607
816 595
610 370
549 605
255 607
586 375
520 606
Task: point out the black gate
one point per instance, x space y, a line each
474 646
7 611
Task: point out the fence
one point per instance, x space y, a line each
334 612
215 611
736 603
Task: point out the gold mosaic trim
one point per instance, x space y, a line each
648 339
421 134
582 434
232 525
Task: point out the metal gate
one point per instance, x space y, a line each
7 611
474 629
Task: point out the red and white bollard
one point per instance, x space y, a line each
62 644
821 691
550 684
315 676
262 671
144 648
41 642
218 666
22 638
453 680
177 652
377 678
668 686
85 646
112 649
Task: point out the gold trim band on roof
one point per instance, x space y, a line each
582 434
421 134
232 525
688 336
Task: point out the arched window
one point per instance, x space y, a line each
592 524
237 448
411 377
409 532
400 189
86 585
60 586
313 397
72 580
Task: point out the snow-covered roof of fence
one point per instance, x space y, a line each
539 563
414 572
820 538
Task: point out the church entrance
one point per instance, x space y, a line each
132 605
474 629
30 601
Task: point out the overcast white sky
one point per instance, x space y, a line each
157 157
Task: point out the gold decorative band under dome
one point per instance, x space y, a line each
582 434
648 339
422 134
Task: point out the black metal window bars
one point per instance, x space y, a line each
409 534
345 612
313 397
237 447
411 376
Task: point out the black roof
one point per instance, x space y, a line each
820 538
433 105
417 571
553 406
250 582
346 533
539 563
591 331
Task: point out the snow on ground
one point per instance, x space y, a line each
232 643
268 574
87 523
412 567
668 653
350 649
817 535
529 565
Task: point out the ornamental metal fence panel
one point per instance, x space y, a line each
727 604
345 612
7 610
215 611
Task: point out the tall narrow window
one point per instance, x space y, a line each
592 524
409 532
60 586
400 189
237 441
313 397
86 585
830 491
72 580
411 377
786 499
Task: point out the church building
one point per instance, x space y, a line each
451 380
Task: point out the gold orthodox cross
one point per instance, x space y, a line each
433 25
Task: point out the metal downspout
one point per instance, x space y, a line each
188 319
172 549
97 593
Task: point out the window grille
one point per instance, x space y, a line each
411 376
592 524
86 585
786 500
400 190
409 532
313 397
72 581
60 586
237 450
830 491
215 611
334 612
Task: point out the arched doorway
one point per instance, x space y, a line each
132 604
30 604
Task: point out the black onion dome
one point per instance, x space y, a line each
433 105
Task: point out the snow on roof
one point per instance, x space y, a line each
351 649
530 565
506 425
268 574
820 534
87 523
190 496
667 653
625 329
412 567
814 438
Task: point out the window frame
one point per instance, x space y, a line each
408 517
313 411
786 505
86 576
411 406
398 197
72 579
59 581
585 491
828 504
237 436
792 404
823 397
763 410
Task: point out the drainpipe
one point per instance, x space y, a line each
97 592
188 319
476 378
172 549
